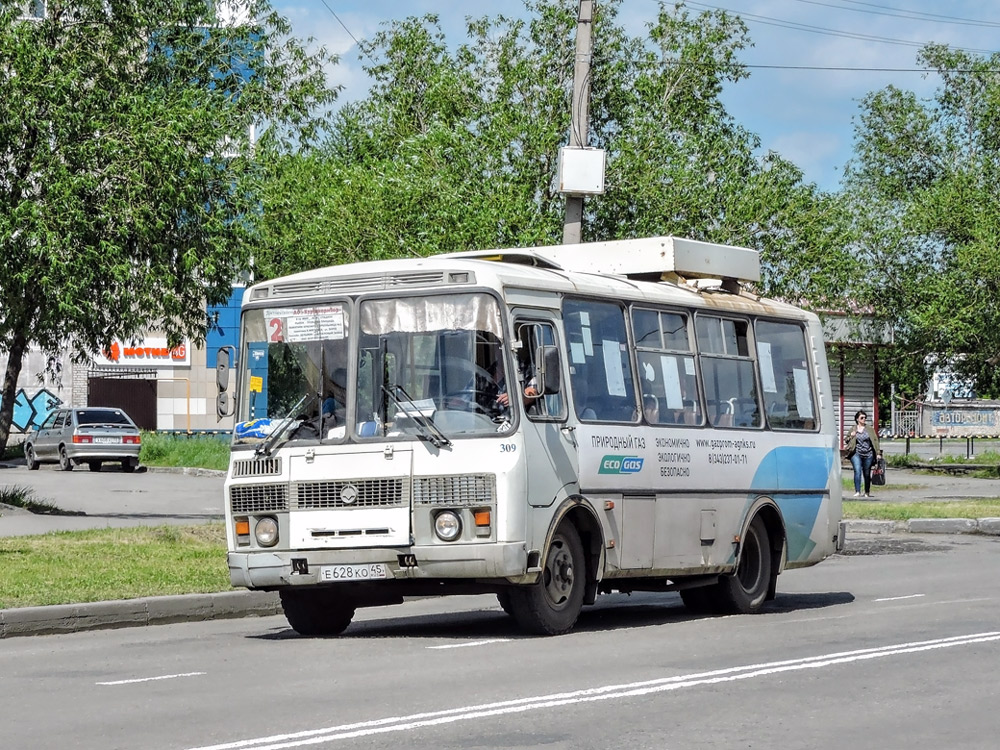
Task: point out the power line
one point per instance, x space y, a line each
781 23
917 15
356 42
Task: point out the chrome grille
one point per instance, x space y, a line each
258 498
366 493
265 467
459 489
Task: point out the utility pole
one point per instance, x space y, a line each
579 115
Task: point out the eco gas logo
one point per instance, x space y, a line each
620 465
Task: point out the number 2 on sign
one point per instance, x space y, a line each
274 326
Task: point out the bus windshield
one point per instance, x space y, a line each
295 373
432 363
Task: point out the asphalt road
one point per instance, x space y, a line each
893 645
111 498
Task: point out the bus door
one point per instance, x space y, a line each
549 443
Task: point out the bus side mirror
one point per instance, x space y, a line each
547 359
224 405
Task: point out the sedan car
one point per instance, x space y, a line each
90 435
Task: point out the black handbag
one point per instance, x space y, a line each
878 472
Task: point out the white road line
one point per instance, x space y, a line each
897 598
519 705
471 643
152 679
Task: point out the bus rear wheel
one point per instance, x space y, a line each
316 611
745 591
552 605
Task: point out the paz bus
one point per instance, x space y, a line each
546 425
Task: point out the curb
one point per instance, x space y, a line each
127 613
986 526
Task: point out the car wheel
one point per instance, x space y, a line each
31 458
129 465
94 465
64 460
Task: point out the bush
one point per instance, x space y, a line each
196 451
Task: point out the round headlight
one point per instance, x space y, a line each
448 526
266 532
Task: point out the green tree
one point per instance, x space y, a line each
129 180
454 150
924 187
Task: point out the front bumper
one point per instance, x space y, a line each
499 562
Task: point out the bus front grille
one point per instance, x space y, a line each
257 467
344 494
258 498
458 489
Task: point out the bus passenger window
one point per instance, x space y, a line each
666 367
601 374
728 372
785 376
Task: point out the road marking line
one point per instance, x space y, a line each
152 679
471 643
897 598
588 695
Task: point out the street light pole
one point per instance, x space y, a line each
579 114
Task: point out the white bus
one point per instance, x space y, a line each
666 430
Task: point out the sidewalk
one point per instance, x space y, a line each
903 486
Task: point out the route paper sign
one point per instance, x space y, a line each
305 323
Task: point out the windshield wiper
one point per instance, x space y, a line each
270 443
428 430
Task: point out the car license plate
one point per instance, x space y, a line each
342 573
107 440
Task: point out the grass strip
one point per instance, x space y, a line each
880 511
106 564
196 451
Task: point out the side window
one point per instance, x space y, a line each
727 368
784 374
50 421
600 366
62 418
551 406
667 374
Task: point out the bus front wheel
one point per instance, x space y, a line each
551 605
316 611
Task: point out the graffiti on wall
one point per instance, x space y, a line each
32 410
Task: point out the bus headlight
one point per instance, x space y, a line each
266 532
448 526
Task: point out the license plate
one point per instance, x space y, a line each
107 440
347 573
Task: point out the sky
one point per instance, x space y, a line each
811 63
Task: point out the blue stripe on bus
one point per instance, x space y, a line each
796 468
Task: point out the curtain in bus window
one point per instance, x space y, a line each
784 370
468 312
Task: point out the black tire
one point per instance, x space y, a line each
31 458
552 605
745 591
65 463
316 611
504 598
94 465
129 465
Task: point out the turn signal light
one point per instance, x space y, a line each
482 518
242 527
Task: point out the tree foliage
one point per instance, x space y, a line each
458 149
129 181
924 187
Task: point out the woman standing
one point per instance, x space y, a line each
862 447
